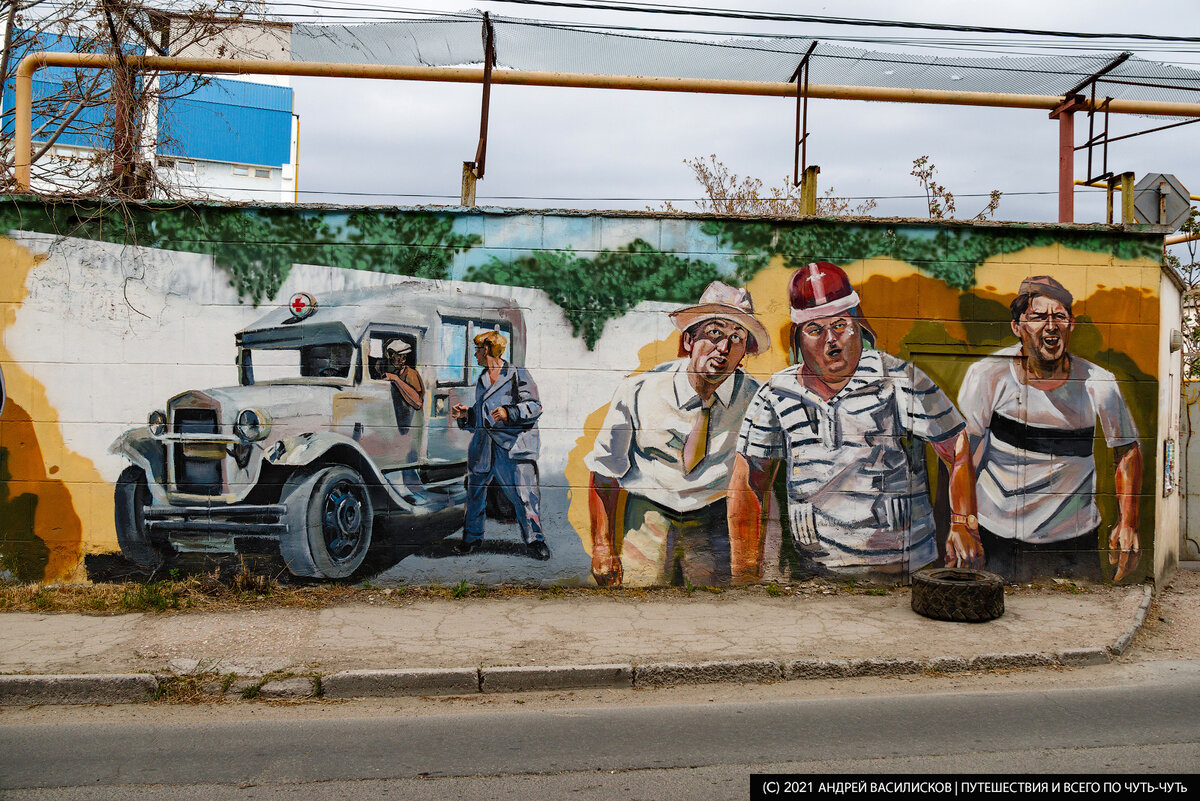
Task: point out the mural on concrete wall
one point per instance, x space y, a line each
572 398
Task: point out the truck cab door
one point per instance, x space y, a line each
382 421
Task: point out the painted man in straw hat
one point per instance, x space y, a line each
840 421
1031 411
660 466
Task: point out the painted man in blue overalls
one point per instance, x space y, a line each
504 445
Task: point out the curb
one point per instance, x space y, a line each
1121 643
347 684
415 681
561 677
666 674
93 688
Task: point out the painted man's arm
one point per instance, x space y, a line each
528 406
414 396
464 416
603 493
748 487
963 548
1124 550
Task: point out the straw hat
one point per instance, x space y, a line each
720 301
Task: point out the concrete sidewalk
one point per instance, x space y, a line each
393 645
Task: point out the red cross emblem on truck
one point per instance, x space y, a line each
302 305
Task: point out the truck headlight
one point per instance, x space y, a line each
157 423
252 426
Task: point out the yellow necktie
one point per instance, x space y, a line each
696 447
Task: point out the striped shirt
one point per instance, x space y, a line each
1035 471
857 490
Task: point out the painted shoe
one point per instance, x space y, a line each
538 550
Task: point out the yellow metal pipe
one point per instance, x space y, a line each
35 61
1101 185
1177 239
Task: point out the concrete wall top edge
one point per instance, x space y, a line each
1134 231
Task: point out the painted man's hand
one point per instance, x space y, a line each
606 567
963 548
1124 550
500 415
458 411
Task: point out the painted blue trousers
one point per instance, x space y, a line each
518 480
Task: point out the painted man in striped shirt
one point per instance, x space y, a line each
843 423
1031 413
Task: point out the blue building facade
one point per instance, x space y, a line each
217 120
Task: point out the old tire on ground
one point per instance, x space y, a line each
132 494
329 521
959 594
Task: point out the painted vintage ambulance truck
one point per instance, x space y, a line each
315 442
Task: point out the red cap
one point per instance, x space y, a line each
822 289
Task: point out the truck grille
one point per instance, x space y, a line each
197 476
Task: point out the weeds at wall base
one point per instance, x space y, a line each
207 592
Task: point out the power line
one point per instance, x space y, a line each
653 8
374 14
589 197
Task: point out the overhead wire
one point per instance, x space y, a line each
354 13
591 198
654 8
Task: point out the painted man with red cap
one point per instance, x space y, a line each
660 466
841 422
1031 411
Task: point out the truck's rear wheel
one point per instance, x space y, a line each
329 517
131 497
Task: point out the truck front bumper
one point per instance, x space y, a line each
215 529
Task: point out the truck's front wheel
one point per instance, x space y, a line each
131 496
329 518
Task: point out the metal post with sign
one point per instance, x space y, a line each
1159 199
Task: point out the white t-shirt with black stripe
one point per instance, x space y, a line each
857 489
1035 471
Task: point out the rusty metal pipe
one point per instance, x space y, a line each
35 61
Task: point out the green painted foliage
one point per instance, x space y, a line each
950 254
402 244
592 291
258 246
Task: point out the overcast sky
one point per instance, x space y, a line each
547 143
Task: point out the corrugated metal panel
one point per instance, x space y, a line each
243 93
534 45
51 80
231 121
85 130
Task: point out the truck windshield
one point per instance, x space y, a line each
332 360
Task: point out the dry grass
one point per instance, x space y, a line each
193 688
194 593
245 589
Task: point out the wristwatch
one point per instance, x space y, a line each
970 521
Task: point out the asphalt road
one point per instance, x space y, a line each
1151 723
